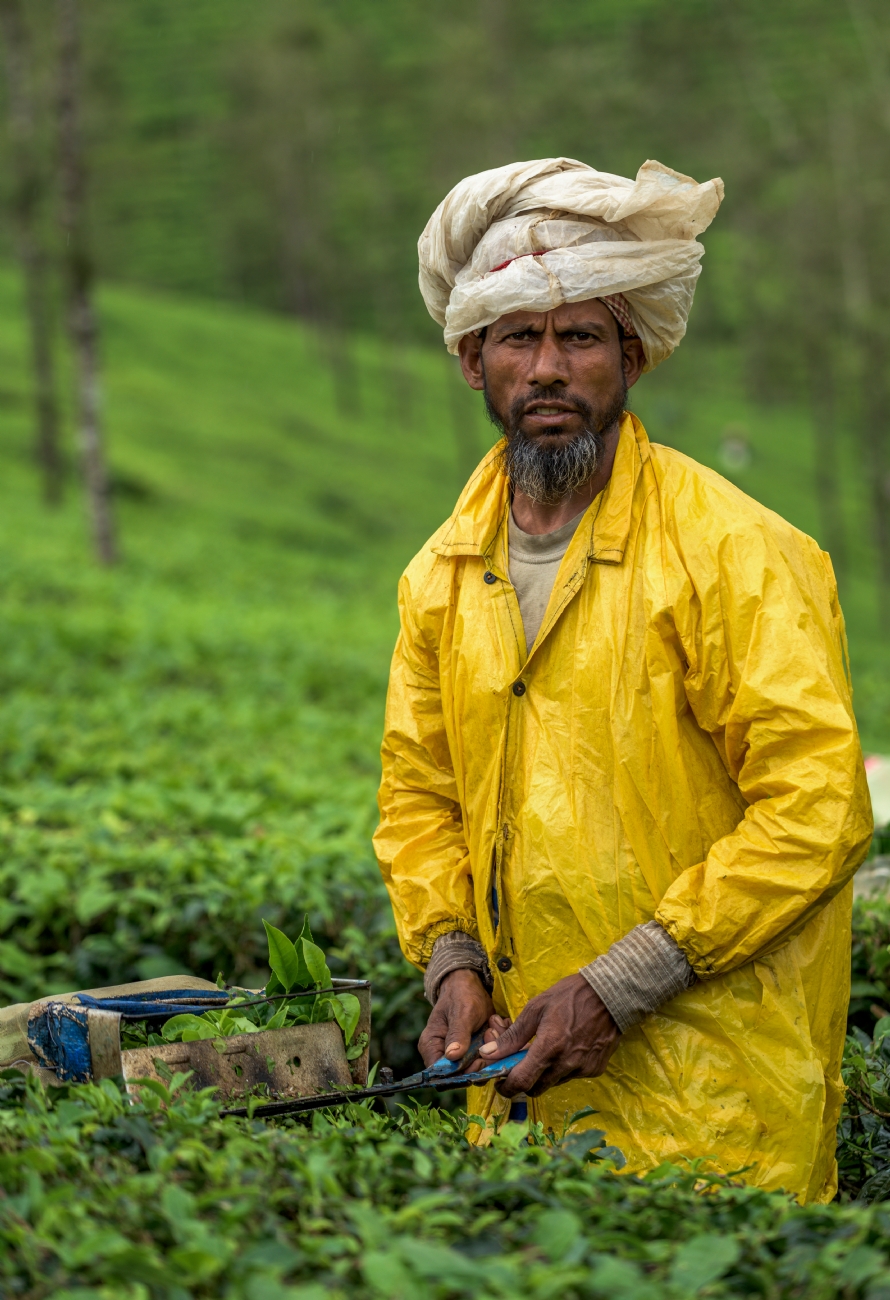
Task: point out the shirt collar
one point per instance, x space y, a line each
481 510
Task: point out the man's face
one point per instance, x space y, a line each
555 383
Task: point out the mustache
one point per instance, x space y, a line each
539 466
509 423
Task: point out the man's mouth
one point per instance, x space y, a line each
550 410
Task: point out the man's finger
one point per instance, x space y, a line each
524 1076
522 1030
461 1027
431 1043
549 1078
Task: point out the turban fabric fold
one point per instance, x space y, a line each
534 235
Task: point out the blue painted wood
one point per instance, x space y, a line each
160 995
59 1036
144 1009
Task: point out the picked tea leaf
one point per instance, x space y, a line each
347 1009
189 1028
314 961
287 961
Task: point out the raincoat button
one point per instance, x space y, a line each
505 964
519 688
489 578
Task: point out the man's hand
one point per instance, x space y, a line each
573 1033
462 1008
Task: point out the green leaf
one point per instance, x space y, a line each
620 1278
581 1144
153 1085
862 1263
585 1113
286 962
314 961
702 1260
386 1274
355 1051
441 1264
555 1232
278 1020
188 1028
230 1024
347 1009
322 1011
95 1246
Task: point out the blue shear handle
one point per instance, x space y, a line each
443 1068
496 1070
504 1066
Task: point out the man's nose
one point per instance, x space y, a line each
549 363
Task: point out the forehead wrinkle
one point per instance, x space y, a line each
536 326
583 326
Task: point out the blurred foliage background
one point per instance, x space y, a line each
188 739
286 154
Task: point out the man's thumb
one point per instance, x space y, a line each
523 1028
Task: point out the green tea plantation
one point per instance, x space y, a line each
188 744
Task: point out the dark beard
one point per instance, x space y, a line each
547 473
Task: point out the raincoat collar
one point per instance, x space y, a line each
481 509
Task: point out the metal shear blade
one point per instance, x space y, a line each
443 1076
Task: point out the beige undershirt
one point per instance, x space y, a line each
534 563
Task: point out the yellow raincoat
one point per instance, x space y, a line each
684 748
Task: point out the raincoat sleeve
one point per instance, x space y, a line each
420 842
763 637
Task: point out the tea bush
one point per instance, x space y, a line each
164 1200
869 992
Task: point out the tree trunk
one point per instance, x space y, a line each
875 446
819 324
865 345
28 195
82 322
823 405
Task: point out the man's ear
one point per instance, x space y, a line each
633 358
469 350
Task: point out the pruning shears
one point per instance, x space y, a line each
443 1075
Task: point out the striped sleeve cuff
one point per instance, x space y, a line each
639 974
451 952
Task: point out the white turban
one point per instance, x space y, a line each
537 234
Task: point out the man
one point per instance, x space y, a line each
623 795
